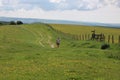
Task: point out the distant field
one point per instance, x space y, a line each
26 54
78 30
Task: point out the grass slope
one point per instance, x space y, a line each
78 29
26 54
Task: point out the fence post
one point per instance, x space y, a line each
112 39
77 38
88 36
74 37
108 38
119 39
82 37
85 37
104 37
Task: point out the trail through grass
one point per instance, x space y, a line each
26 54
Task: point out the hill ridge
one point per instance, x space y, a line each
49 21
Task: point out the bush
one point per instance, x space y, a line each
105 46
0 23
19 22
12 23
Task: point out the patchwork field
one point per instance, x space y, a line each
28 52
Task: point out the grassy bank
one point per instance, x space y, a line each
80 30
26 54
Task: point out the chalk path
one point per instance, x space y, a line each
40 37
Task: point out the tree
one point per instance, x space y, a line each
19 22
0 23
12 23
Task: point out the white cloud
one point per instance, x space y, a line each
57 4
10 2
117 3
110 1
91 3
62 6
1 3
108 14
83 4
77 4
57 1
105 11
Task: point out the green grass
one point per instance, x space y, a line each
78 30
26 54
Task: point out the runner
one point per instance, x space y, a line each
58 42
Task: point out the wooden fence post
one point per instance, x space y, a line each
112 39
74 37
85 37
104 37
80 37
108 38
88 36
77 38
71 36
119 39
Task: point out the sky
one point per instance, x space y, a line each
103 11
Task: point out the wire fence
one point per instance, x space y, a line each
106 38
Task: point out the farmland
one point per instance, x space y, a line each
26 54
79 30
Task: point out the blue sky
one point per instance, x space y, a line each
105 11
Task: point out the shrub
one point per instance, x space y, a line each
19 22
0 23
12 23
105 46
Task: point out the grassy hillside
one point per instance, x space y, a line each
77 29
26 54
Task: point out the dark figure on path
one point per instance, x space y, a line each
58 42
93 35
98 37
